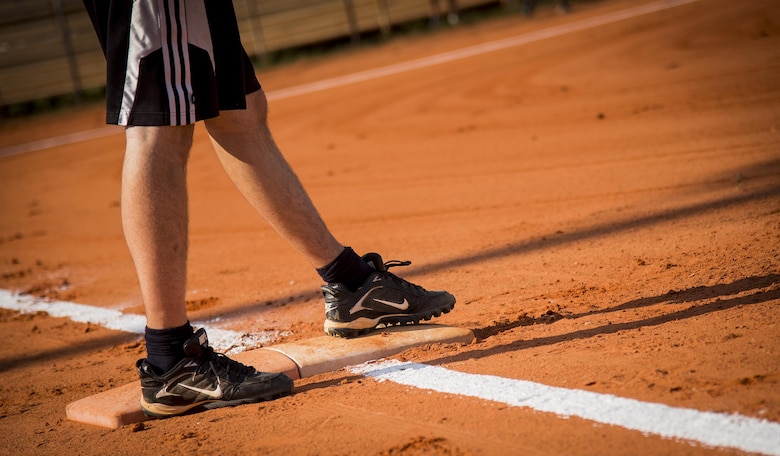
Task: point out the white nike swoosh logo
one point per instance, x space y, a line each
164 391
396 305
214 394
359 306
400 306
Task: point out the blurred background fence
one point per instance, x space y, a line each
48 48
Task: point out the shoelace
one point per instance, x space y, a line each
220 364
398 280
394 263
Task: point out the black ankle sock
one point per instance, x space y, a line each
347 269
165 347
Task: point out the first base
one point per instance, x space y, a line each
120 406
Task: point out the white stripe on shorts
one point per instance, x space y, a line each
162 25
176 59
141 43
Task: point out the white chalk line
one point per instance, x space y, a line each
57 141
223 340
708 428
403 67
476 50
711 429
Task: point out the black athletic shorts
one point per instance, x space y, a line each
171 62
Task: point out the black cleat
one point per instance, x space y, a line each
207 380
383 298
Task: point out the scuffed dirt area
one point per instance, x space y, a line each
604 204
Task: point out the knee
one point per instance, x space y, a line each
241 120
258 103
160 144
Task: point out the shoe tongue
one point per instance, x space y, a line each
197 344
375 261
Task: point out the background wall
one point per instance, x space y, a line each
48 47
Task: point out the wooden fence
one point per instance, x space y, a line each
48 47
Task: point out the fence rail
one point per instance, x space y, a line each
48 47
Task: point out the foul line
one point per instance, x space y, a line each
223 340
709 428
389 70
478 49
60 140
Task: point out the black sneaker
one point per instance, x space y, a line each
382 299
205 379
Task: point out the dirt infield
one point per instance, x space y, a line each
605 205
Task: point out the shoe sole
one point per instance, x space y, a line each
157 410
362 326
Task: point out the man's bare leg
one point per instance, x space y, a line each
155 218
249 155
244 145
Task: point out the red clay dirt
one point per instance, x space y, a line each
604 204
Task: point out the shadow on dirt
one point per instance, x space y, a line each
112 339
508 325
598 231
519 248
716 292
533 245
693 294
